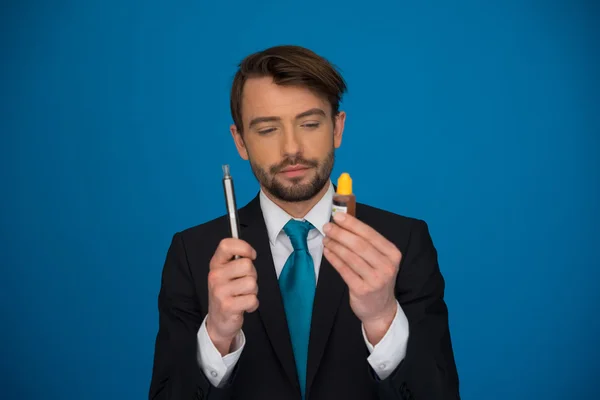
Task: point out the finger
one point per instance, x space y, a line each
352 279
352 260
363 230
245 303
230 247
356 245
243 286
237 269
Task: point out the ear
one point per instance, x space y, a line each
338 129
239 142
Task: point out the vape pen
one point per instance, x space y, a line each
234 224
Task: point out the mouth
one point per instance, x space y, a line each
294 168
294 171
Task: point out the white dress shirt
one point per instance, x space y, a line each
384 356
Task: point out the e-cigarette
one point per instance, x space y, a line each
234 224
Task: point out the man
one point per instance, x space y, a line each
311 308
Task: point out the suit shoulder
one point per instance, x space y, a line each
396 227
399 229
372 213
215 228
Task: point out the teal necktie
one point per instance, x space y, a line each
297 285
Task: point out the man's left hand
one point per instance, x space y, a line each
369 264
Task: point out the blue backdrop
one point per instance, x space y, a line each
481 118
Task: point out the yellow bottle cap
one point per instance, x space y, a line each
344 184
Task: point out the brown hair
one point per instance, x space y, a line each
288 65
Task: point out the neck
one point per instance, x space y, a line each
299 209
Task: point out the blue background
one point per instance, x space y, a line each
480 117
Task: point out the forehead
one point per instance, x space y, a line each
261 97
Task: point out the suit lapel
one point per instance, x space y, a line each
270 309
330 288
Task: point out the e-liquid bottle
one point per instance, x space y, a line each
343 199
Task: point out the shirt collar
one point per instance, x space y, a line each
276 218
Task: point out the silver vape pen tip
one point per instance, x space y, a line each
226 171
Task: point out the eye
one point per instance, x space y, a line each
311 125
266 131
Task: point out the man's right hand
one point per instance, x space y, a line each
232 290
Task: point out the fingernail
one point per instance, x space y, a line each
327 227
339 217
254 253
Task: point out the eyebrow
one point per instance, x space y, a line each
312 111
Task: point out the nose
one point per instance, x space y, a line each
291 144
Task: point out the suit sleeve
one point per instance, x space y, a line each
176 373
428 370
218 368
390 351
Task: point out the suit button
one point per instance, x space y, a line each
404 392
408 393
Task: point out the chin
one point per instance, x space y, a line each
291 182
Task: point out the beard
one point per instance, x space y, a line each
297 191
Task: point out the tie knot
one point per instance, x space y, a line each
297 231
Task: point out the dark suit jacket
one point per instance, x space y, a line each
337 359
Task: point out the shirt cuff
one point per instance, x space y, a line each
391 350
217 368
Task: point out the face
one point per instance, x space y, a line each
289 138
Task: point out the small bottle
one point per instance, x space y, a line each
344 200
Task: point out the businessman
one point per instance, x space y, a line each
313 308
